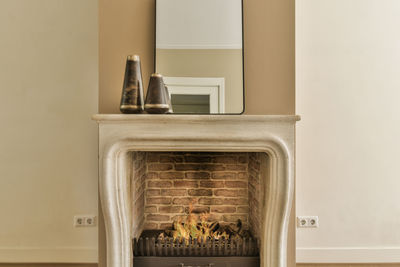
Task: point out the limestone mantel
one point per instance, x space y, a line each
270 134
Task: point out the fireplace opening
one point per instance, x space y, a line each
197 208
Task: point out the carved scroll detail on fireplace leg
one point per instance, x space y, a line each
114 188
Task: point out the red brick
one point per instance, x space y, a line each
254 156
171 209
152 175
214 167
199 167
243 209
235 184
173 192
140 197
255 165
172 175
231 192
223 209
198 209
186 184
236 167
159 184
166 226
197 175
150 226
234 218
224 175
170 159
254 180
160 167
153 157
253 190
200 192
212 184
211 201
242 175
178 218
225 159
157 217
150 209
254 204
197 159
153 192
236 201
158 200
184 201
214 217
243 159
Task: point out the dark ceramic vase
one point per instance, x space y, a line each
132 90
170 110
157 99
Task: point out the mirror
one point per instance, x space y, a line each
199 51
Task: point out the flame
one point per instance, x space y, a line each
196 227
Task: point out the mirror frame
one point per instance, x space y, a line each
243 76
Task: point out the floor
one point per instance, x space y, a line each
45 265
349 265
298 265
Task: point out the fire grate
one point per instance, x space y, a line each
151 250
167 247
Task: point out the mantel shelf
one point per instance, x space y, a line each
112 118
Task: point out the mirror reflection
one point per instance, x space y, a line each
199 51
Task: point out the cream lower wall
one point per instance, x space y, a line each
348 143
206 63
48 155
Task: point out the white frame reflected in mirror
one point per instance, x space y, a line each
214 88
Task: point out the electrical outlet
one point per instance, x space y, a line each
90 220
84 220
307 222
79 221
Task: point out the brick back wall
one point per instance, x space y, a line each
255 193
215 183
138 188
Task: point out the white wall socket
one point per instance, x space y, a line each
307 222
84 220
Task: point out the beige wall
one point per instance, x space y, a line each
225 63
348 94
48 163
127 27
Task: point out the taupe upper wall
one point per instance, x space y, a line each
127 27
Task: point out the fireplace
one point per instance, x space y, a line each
196 204
196 190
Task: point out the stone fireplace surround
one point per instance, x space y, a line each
124 139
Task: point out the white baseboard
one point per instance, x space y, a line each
348 255
48 255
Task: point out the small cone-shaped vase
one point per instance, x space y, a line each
157 98
170 110
132 90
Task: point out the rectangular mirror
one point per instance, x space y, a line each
199 51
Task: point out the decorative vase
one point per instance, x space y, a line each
157 99
170 110
132 90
